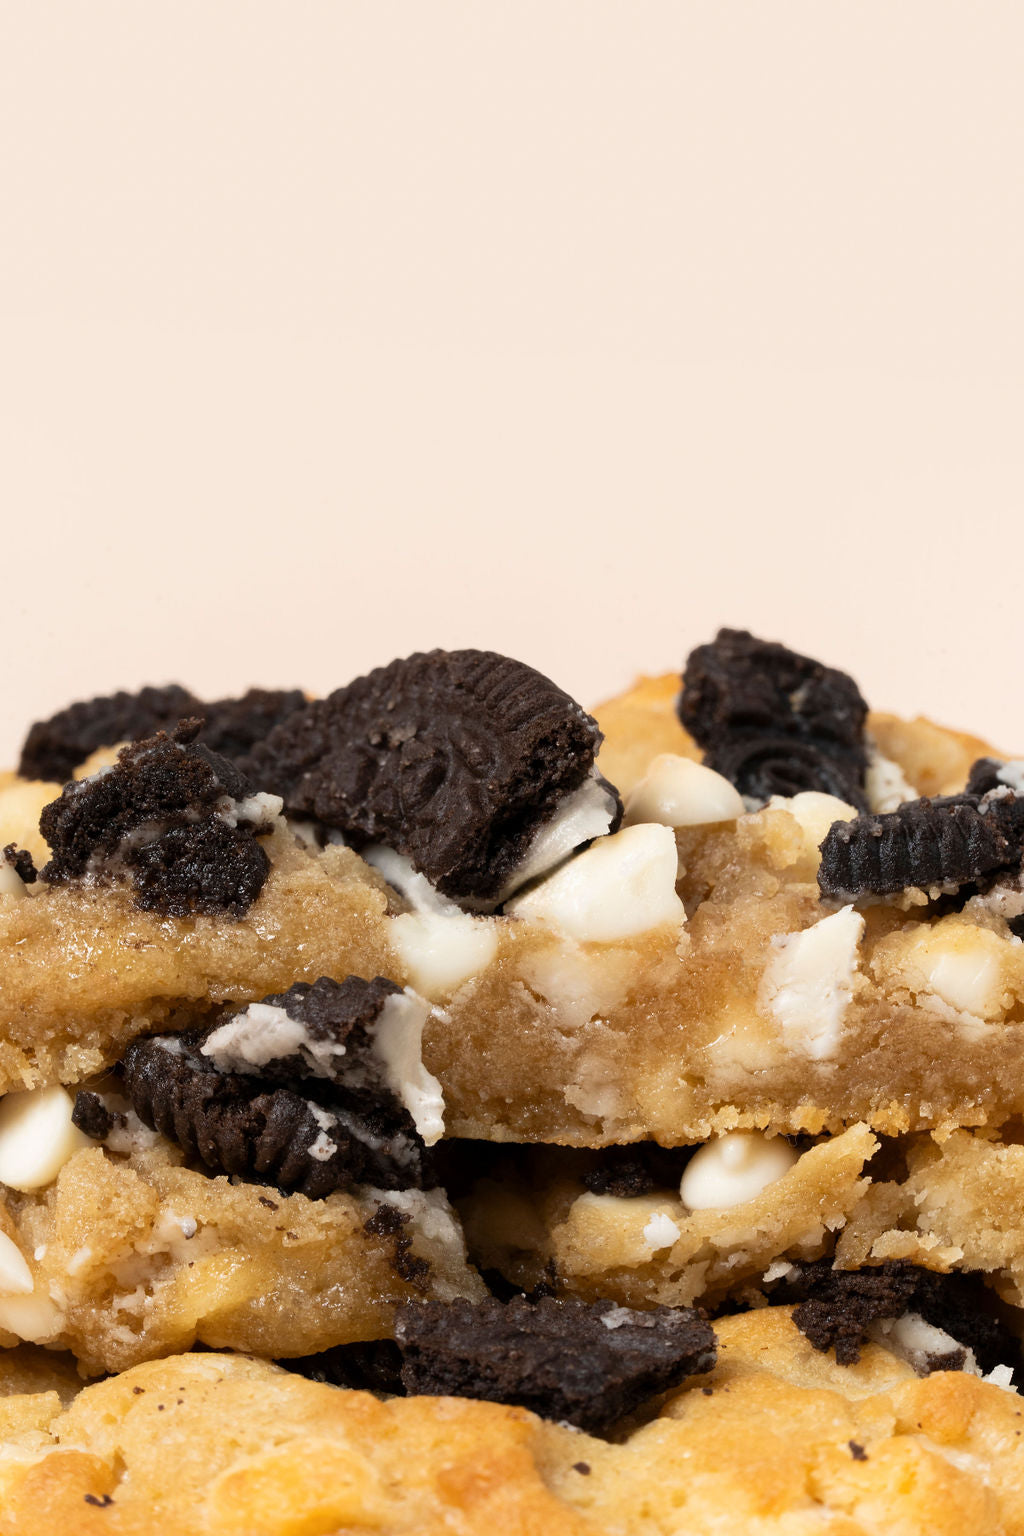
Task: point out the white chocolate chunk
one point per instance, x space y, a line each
398 1043
808 983
733 1168
621 886
969 969
33 1318
415 887
677 792
912 1339
661 1231
815 813
885 785
37 1137
441 950
11 883
15 1275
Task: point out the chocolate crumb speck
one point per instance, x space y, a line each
389 1222
270 1204
582 1467
98 1501
857 1451
559 1359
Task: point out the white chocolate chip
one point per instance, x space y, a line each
815 813
584 814
808 982
732 1169
441 950
885 785
15 1275
970 970
677 792
398 1044
621 886
34 1318
661 1231
37 1137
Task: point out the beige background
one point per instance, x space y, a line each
330 331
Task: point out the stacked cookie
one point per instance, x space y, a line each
439 1040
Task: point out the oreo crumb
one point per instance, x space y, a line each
93 1118
372 1367
166 817
306 1121
857 1451
388 1222
454 759
638 1169
947 842
54 748
837 1307
21 861
582 1467
100 1502
775 722
585 1364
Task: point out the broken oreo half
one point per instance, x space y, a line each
463 762
946 842
170 817
774 722
587 1364
844 1309
309 1090
54 748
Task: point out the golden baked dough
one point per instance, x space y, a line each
779 1441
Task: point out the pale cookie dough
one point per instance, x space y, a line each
133 1255
779 1440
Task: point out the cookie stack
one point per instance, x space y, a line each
433 1107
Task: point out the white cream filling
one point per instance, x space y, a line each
586 813
808 982
266 1032
734 1168
885 785
398 1045
1012 775
912 1339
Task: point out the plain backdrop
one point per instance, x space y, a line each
334 330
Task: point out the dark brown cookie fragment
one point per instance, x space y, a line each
585 1364
93 1117
638 1169
372 1367
774 722
21 861
944 842
317 1116
454 759
837 1308
54 748
171 818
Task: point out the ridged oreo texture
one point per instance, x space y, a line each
456 760
775 722
54 748
303 1090
944 843
583 1363
172 819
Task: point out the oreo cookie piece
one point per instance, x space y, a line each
947 842
171 818
637 1169
21 861
840 1309
54 748
372 1367
774 722
460 761
583 1363
309 1090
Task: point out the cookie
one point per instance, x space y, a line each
778 1438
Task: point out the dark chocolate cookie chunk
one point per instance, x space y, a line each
93 1117
170 817
235 1124
21 861
837 1308
946 842
54 748
775 722
638 1169
989 773
372 1367
454 759
586 1364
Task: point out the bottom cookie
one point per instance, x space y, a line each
778 1439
